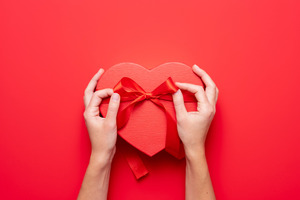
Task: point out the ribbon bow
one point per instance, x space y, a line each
129 90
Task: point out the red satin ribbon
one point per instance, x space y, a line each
129 90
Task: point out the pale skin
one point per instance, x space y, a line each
192 129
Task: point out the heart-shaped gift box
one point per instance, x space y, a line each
147 124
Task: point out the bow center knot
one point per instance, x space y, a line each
148 95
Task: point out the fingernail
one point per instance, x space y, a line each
177 83
177 92
196 66
115 96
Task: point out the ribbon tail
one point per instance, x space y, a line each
173 143
134 160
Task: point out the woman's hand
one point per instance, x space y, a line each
103 136
193 126
102 131
192 129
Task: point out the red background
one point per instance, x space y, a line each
51 49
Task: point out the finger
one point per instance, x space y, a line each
217 94
210 85
93 106
197 90
179 104
113 107
88 93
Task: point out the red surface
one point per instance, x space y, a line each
49 50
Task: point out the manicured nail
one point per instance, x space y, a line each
115 96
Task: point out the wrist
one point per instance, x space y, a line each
195 153
101 160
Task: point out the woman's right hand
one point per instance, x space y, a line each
193 126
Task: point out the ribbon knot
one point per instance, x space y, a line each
129 90
148 95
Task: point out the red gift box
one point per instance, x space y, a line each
146 117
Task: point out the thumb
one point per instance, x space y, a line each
179 104
113 107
